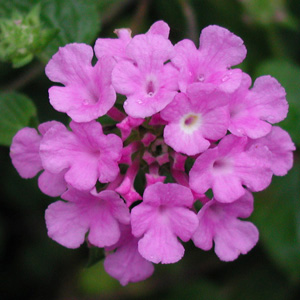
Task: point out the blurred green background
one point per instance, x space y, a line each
33 266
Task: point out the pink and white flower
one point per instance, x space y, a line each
180 103
253 111
227 168
98 214
148 82
163 216
195 118
87 93
85 153
219 223
210 64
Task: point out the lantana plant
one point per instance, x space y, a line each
185 140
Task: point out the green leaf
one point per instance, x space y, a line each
16 112
288 75
75 21
277 216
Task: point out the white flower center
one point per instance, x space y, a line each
190 122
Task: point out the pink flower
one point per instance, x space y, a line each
195 118
87 93
227 168
219 222
25 156
125 263
86 154
147 80
252 111
99 214
163 216
117 47
180 103
114 47
219 50
277 147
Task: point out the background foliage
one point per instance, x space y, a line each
34 266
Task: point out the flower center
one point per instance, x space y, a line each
151 86
91 96
219 164
200 77
190 122
222 165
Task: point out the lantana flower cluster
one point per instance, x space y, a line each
184 125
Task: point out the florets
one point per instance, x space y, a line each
126 186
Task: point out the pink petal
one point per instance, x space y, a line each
52 184
126 264
227 188
126 78
24 152
104 228
268 99
113 47
160 245
221 47
150 51
65 224
82 173
204 234
71 62
184 222
169 194
253 171
180 141
241 208
161 28
116 205
201 178
239 239
280 146
142 217
249 126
